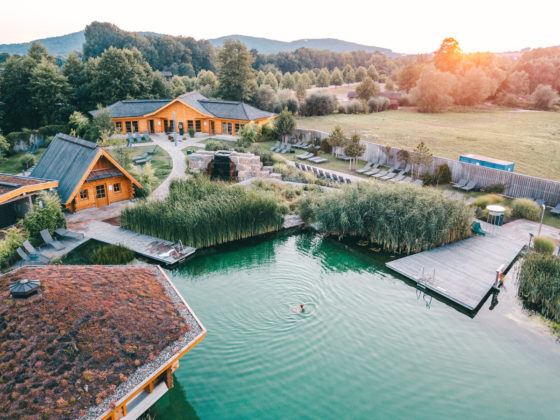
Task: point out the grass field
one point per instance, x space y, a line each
161 162
530 139
12 165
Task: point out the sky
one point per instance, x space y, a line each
404 26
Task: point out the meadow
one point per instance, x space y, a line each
530 139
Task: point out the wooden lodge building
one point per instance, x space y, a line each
87 175
191 110
92 342
17 193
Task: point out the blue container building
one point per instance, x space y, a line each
503 165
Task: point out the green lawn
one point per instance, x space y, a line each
12 165
530 139
161 162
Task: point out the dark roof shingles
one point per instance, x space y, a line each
66 160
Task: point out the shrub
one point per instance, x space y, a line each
319 103
526 208
141 192
52 130
267 157
378 104
13 238
201 213
27 161
400 218
266 133
486 200
507 99
494 188
544 97
248 134
213 145
539 284
325 145
543 245
442 174
47 215
111 255
16 137
355 106
406 100
191 132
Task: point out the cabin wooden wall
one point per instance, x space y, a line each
126 193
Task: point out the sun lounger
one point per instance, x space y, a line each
47 238
143 156
418 182
65 233
348 181
304 156
381 174
398 178
461 183
373 170
539 201
318 160
33 253
143 161
406 180
275 146
31 259
389 176
556 209
152 151
366 168
470 186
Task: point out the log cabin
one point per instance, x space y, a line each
87 175
189 111
17 193
100 341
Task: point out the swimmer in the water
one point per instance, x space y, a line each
301 307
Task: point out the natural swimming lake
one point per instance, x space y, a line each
367 346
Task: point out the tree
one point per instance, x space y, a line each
159 87
336 77
372 72
288 81
367 89
80 95
284 124
421 156
234 71
337 139
266 98
348 74
4 147
408 76
49 89
544 97
312 77
517 83
433 92
324 78
354 149
449 56
473 87
271 81
301 90
318 103
206 78
361 73
177 86
119 74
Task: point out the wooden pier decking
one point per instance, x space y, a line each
465 271
148 246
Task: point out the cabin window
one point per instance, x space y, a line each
100 191
224 128
236 128
171 126
135 126
117 187
197 122
190 124
118 127
229 128
83 195
128 126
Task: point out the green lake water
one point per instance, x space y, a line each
367 346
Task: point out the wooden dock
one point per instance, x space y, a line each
465 271
148 246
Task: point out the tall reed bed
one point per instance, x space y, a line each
201 213
539 284
399 218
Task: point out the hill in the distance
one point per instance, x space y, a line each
65 44
271 46
56 45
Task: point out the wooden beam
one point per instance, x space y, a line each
169 378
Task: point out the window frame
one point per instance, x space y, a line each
100 189
135 126
84 194
117 187
128 126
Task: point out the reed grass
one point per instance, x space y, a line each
539 284
399 218
201 213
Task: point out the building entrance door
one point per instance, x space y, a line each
151 126
212 128
101 195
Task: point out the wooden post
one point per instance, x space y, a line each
169 378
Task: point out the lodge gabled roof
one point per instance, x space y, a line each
68 159
231 110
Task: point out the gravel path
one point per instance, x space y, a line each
179 161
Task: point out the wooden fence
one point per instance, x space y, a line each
515 185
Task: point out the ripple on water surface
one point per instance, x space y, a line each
365 347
